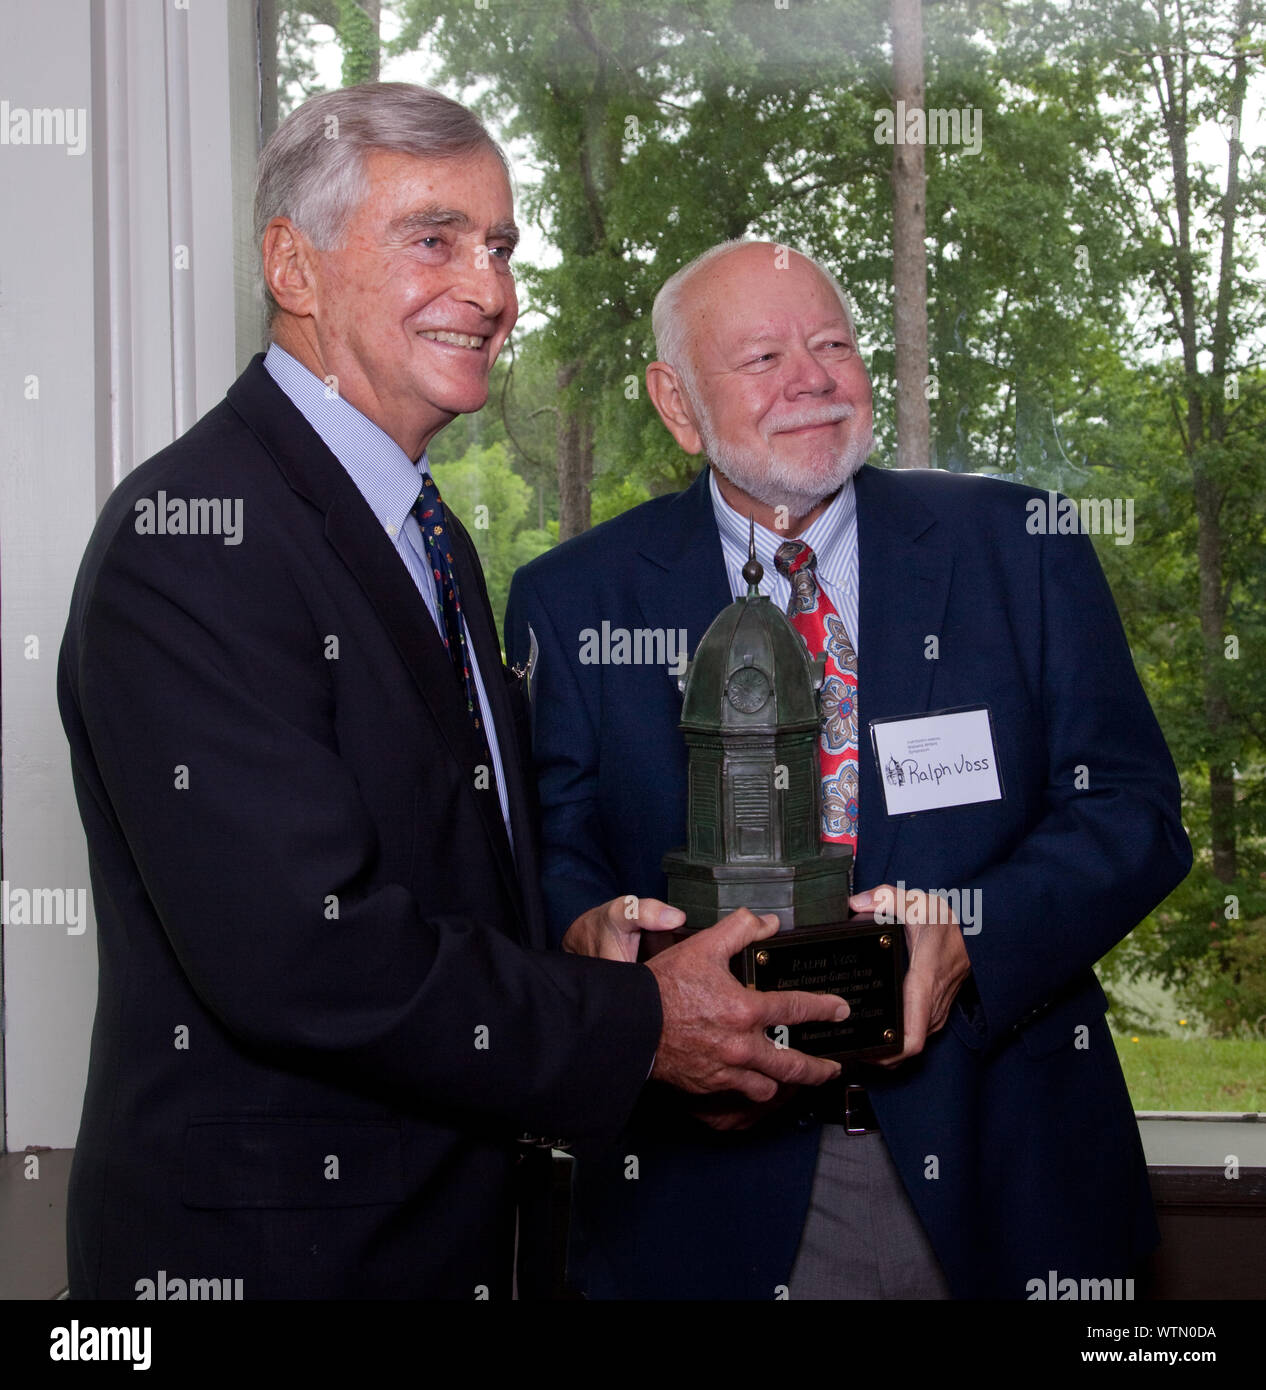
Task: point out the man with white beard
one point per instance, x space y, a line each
901 1181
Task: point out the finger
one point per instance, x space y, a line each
789 1067
739 929
799 1006
882 898
755 1085
610 943
916 1029
622 915
904 1055
585 935
917 1003
653 915
622 947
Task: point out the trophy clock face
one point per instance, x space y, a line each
747 689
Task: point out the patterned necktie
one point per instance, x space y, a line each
813 616
432 520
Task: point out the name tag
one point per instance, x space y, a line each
932 761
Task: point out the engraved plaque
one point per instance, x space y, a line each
860 960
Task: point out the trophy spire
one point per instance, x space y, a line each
753 570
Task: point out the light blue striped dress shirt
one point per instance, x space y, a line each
389 481
832 537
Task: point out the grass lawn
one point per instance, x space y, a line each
1193 1073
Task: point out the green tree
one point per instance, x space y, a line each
286 67
660 129
1162 70
1094 298
1199 941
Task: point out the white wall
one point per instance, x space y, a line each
128 350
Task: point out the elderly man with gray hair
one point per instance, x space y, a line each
326 1017
1000 1144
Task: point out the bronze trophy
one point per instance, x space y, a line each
751 721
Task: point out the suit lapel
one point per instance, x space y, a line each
352 530
903 582
682 581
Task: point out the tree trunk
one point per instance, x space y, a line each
1209 507
267 69
575 462
1217 709
373 52
1205 426
359 36
909 248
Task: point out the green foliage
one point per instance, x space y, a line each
615 493
1214 963
661 129
1228 987
1056 297
1193 1073
358 38
354 31
519 416
1126 445
296 72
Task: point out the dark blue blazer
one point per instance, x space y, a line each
321 1023
1013 1131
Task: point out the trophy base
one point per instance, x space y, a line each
812 893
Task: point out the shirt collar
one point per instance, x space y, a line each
828 534
385 475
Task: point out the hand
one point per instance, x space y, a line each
614 930
938 959
713 1035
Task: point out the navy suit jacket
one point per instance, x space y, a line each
1013 1131
321 1026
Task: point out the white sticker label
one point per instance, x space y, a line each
936 760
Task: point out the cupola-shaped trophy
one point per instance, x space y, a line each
752 722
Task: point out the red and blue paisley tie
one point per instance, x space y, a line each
814 617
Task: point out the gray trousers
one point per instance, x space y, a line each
861 1236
